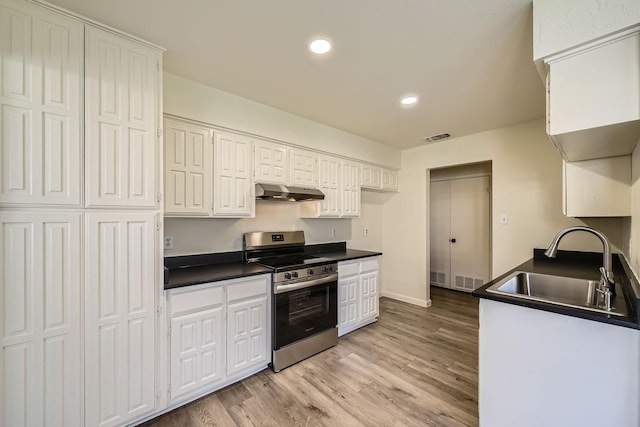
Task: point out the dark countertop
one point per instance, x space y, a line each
204 268
583 265
194 275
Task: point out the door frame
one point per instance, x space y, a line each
459 171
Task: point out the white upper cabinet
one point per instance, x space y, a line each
350 189
234 191
389 180
120 291
598 187
40 312
377 178
188 168
121 148
329 184
593 106
339 180
271 162
371 177
41 69
303 168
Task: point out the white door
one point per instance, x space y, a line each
440 232
234 192
41 105
188 168
197 350
40 364
462 240
120 300
247 334
121 143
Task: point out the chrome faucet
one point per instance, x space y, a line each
606 287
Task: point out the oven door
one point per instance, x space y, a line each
301 311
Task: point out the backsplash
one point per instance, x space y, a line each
207 235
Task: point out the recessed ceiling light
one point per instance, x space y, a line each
319 46
409 100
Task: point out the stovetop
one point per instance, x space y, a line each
293 262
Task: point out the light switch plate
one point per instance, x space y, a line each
504 219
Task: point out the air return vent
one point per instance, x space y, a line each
438 137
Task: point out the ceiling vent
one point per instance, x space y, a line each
438 137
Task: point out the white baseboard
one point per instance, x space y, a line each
404 298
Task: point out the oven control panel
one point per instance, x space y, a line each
305 273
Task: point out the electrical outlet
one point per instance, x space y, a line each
366 231
168 242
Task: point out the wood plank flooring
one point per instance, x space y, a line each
414 367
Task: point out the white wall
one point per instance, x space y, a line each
192 100
527 186
562 24
633 254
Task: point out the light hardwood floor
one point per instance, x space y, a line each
414 367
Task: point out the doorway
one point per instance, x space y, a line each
460 224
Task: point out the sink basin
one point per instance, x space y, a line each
565 291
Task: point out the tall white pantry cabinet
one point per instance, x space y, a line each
80 220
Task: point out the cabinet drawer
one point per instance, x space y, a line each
203 296
368 264
247 288
349 268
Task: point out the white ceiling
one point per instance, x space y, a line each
469 61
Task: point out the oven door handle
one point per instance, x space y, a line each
306 284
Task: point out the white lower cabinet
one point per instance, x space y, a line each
219 333
357 294
120 293
40 345
197 339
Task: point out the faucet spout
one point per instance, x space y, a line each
607 263
607 281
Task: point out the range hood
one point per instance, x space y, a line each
287 193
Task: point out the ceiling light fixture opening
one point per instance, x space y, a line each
409 100
320 46
437 137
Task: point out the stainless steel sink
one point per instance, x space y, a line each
565 291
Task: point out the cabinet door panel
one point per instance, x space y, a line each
329 184
197 350
247 339
369 298
348 294
40 318
350 189
120 298
271 163
40 103
188 168
233 194
303 168
121 121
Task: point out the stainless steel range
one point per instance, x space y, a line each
305 295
